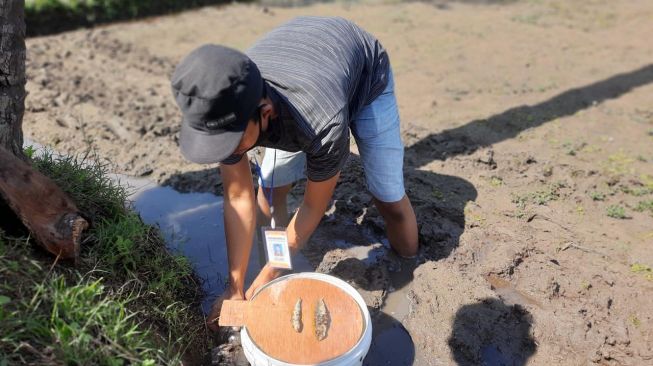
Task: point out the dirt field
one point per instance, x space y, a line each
529 147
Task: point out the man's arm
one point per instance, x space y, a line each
302 225
239 221
309 214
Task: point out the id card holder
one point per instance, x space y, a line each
276 247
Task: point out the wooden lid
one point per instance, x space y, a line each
271 329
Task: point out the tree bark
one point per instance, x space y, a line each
12 75
42 206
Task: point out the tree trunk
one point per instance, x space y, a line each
12 74
40 204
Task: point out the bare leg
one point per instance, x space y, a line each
401 225
279 202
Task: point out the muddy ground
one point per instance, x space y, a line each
529 146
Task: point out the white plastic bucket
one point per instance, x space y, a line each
354 357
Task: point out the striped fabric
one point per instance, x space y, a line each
323 70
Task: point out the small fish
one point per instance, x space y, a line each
296 318
322 320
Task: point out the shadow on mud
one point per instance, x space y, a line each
391 343
506 125
357 228
489 332
492 333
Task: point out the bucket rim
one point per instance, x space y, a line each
326 278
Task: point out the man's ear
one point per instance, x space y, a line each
267 110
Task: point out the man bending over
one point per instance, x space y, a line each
299 91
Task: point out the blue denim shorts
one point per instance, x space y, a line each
377 133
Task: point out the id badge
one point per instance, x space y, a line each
276 247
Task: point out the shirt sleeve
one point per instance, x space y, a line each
233 159
329 150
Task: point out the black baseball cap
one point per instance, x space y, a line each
218 89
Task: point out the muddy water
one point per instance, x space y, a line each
391 344
192 224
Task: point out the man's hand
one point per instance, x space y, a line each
302 225
309 214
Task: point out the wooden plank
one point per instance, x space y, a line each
236 313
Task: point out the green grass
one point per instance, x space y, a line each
642 269
541 197
645 206
496 181
616 212
47 16
636 191
437 194
597 196
634 320
619 164
86 179
128 300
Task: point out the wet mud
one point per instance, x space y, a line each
528 163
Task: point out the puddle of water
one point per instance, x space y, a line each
368 254
397 304
508 293
391 342
192 224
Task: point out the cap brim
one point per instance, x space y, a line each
203 148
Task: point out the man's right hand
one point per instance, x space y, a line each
239 220
214 314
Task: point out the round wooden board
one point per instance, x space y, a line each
270 327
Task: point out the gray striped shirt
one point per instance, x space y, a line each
320 72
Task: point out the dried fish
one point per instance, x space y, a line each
322 320
296 318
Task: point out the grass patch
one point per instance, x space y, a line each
642 269
437 194
645 206
647 180
541 197
496 181
597 196
616 212
619 164
85 178
128 301
634 320
637 191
